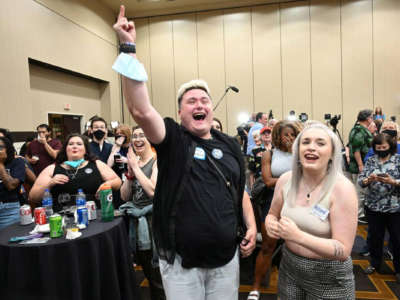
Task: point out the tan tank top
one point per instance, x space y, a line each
303 216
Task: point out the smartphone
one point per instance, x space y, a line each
117 156
382 175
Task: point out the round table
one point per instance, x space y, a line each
95 266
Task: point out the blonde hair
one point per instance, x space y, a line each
388 123
334 167
191 85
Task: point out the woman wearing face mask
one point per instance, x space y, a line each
274 163
392 129
75 168
381 177
118 157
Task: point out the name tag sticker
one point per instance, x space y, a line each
199 153
320 212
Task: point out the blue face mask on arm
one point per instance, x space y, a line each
74 163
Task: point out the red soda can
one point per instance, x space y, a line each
25 214
91 207
40 215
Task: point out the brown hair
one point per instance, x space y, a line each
278 128
126 131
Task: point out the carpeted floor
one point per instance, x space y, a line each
376 286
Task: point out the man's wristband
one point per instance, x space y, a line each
127 48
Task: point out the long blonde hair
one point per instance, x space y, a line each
334 167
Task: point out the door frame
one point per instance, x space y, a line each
81 125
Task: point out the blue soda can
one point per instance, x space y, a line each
83 217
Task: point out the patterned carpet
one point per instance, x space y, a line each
376 286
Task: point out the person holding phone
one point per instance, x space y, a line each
42 151
381 177
118 157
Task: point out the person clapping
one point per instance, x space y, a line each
75 168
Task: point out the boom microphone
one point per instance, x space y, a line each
234 88
230 87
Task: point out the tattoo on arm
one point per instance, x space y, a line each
338 249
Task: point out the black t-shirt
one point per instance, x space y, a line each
16 169
206 219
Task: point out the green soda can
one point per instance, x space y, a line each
56 229
107 208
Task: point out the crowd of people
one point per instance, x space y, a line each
196 197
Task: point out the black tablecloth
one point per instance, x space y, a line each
95 266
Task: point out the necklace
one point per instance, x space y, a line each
311 190
71 173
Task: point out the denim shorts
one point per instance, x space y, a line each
9 213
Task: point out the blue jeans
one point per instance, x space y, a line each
9 213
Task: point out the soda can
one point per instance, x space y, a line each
40 215
83 218
91 207
56 229
25 214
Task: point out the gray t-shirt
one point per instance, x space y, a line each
139 196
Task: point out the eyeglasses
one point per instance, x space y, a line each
2 147
140 136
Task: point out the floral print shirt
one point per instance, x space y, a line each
382 197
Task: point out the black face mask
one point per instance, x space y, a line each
121 136
382 153
99 134
392 133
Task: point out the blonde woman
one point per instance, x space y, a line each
314 210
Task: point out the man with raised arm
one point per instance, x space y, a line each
199 200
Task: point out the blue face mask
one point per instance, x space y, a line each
74 163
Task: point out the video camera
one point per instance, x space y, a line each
333 121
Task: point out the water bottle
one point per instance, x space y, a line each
47 203
80 199
81 210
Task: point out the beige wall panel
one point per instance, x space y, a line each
143 55
239 64
51 90
185 49
296 67
211 58
162 66
49 37
91 15
387 57
357 67
267 59
325 59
